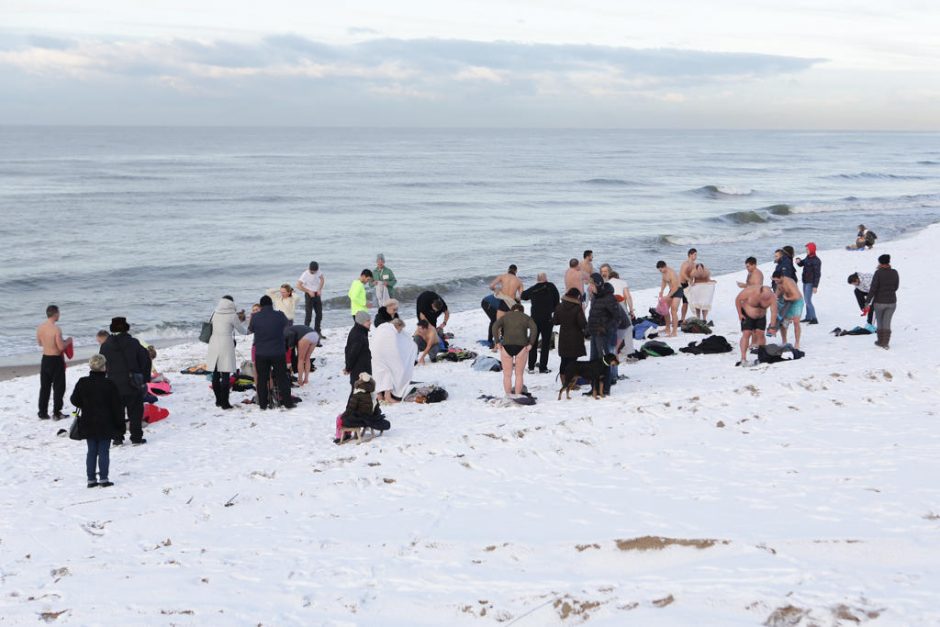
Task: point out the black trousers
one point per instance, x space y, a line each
51 378
545 342
491 314
263 369
133 404
860 297
313 304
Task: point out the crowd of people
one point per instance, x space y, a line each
594 315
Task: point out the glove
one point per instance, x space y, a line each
866 310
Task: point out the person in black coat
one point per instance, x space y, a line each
270 352
569 316
603 320
544 297
358 355
129 366
101 419
387 312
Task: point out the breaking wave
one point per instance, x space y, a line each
722 191
609 182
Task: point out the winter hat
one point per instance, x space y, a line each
884 260
811 247
119 325
362 317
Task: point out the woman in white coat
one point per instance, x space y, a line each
221 357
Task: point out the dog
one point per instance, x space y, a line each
596 371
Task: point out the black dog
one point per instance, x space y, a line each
596 371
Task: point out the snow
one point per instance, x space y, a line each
816 502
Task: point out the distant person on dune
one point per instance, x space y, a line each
311 283
812 272
754 275
670 280
383 279
430 306
790 302
52 367
884 296
752 304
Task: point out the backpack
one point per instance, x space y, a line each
655 348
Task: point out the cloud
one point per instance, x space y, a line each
285 73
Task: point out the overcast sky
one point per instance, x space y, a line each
592 63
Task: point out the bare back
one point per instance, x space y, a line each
574 279
49 336
512 286
670 279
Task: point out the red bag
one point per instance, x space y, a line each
153 414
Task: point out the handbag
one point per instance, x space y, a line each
74 429
205 333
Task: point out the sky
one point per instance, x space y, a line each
512 63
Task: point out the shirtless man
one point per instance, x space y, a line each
587 269
752 305
428 342
701 274
754 275
573 277
685 278
670 280
791 306
52 367
508 288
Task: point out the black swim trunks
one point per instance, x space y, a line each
754 324
680 293
513 349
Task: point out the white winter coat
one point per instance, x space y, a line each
222 344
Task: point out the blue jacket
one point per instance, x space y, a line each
785 266
812 270
268 326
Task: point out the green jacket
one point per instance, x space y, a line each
386 274
357 297
515 328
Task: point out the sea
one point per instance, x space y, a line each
156 224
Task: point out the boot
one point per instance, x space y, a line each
880 342
224 389
218 393
887 340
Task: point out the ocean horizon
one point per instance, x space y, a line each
157 223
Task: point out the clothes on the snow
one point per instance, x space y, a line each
710 345
221 350
102 415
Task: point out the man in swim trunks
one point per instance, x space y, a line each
790 302
670 280
685 278
507 287
754 275
52 367
752 305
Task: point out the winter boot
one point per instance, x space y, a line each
216 389
224 388
887 340
880 342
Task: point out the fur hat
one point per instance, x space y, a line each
119 325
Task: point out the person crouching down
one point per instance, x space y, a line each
101 418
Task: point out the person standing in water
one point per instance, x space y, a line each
52 367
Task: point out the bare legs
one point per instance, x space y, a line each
513 365
304 351
674 317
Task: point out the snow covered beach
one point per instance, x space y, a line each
794 493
